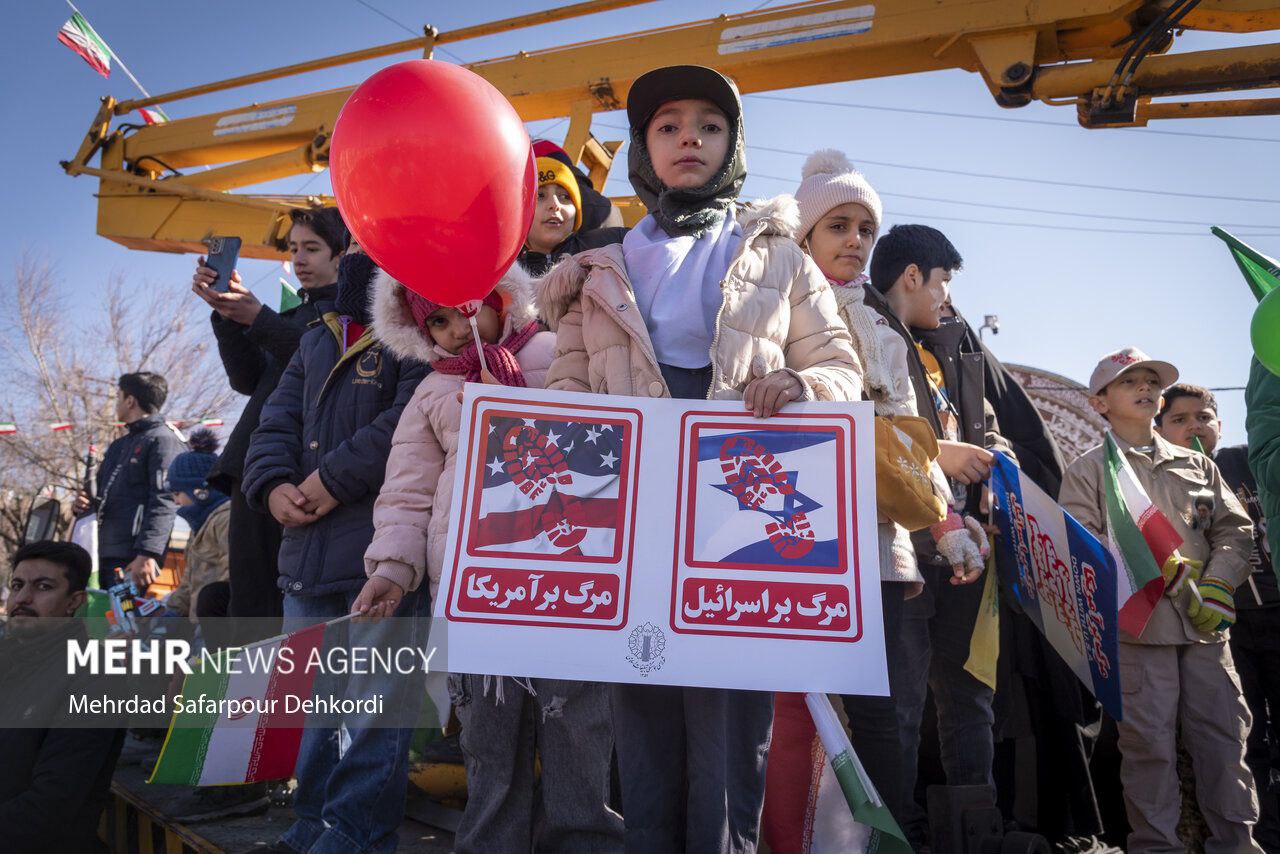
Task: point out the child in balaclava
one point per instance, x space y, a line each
207 512
700 301
506 722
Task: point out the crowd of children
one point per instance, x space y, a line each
353 450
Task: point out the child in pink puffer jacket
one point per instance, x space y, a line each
411 516
566 723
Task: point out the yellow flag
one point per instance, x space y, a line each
984 644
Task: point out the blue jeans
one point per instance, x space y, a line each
354 800
936 628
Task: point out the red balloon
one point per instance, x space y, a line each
434 175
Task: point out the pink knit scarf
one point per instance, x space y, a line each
499 358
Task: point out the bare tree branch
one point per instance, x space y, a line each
59 371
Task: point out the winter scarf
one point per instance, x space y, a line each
355 273
693 211
877 372
500 359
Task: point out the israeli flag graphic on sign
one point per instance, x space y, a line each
766 497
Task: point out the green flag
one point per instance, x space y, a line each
288 296
1260 271
864 801
97 604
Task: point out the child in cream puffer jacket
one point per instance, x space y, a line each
840 216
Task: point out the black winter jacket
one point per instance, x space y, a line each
135 511
334 412
1020 421
54 777
596 208
254 357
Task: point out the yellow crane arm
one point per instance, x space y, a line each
1059 51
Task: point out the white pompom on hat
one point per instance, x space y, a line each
829 180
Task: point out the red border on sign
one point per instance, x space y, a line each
624 483
625 580
854 569
690 467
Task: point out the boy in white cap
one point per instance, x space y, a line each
1178 673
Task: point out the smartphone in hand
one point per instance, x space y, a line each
223 254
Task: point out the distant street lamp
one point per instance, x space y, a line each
989 321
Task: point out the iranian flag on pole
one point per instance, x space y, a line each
59 426
258 739
816 806
153 115
7 427
1141 538
80 37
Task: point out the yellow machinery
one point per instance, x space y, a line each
1107 58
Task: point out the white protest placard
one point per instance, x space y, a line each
663 541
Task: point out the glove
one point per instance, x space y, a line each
1177 571
962 542
1214 608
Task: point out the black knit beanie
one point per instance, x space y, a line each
355 274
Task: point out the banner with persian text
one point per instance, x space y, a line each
667 541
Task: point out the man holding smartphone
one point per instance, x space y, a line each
255 344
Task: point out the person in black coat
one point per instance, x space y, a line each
319 454
1039 703
566 197
316 463
55 772
255 344
135 511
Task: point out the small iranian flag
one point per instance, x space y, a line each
59 426
7 427
211 422
813 806
254 739
1141 538
80 37
153 115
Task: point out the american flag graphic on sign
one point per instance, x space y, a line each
550 487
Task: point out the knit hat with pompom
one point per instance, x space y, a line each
829 180
188 471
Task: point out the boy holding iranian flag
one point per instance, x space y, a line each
1178 575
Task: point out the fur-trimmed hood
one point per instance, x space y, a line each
778 216
393 322
556 291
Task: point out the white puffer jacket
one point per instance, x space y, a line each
778 313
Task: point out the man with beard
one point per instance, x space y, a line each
54 772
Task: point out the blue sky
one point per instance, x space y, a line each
1064 295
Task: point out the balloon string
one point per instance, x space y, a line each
475 334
